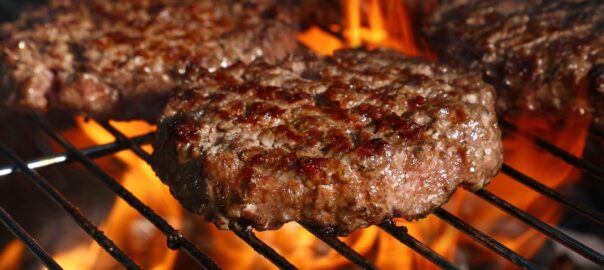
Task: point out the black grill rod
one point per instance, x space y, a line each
243 233
28 240
330 239
587 167
401 234
174 238
120 137
484 239
533 184
247 235
90 152
541 226
73 211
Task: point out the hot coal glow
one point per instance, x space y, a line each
373 24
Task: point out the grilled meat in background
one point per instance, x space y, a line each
537 54
122 59
344 142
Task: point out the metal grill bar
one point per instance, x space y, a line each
552 232
73 211
120 137
175 238
400 233
589 168
595 216
243 233
91 152
247 235
484 239
339 246
28 240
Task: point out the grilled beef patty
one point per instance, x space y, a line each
538 54
343 142
122 59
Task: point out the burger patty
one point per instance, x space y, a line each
122 59
343 142
538 54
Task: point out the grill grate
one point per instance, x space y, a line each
29 241
176 241
69 207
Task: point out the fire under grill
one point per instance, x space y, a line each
176 240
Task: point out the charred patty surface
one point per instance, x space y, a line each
539 55
344 142
122 59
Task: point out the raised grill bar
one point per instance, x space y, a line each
401 234
148 213
578 207
543 227
91 152
73 211
484 239
589 168
247 235
28 240
331 240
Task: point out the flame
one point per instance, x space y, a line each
370 23
10 258
124 225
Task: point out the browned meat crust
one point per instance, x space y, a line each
121 59
536 53
342 142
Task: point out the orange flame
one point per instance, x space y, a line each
370 23
10 258
124 225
